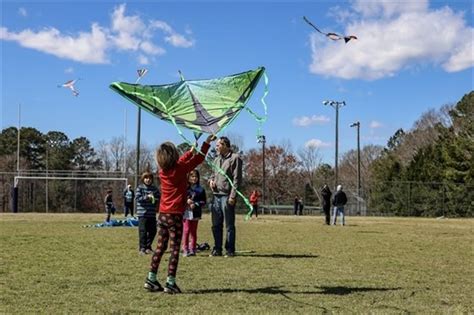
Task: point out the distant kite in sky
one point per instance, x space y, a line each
332 36
70 85
141 73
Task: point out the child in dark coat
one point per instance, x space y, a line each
148 199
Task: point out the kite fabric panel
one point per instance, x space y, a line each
205 106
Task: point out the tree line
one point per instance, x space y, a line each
424 171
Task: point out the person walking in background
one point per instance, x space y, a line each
109 205
173 174
254 202
148 198
339 201
128 197
326 203
224 196
192 215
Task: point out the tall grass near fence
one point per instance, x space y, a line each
50 264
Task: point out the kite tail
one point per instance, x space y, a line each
261 119
222 172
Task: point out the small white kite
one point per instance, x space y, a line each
70 85
141 73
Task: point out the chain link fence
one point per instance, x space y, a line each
401 198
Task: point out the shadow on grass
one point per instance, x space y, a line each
278 255
280 290
339 290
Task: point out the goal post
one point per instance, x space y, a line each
66 192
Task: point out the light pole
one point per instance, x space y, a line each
357 124
262 140
336 105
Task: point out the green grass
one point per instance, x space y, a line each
51 264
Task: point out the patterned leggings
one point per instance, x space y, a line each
170 228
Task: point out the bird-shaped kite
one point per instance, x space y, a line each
332 36
70 85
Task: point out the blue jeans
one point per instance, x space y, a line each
222 212
338 211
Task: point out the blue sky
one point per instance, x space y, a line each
410 56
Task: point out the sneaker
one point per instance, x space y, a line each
191 253
148 251
172 289
230 254
142 252
215 253
153 286
185 254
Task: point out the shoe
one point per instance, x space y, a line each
172 289
152 286
142 252
215 253
185 253
148 251
191 253
230 254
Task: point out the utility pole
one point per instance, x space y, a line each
336 105
137 163
262 140
357 124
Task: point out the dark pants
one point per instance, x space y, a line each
128 208
146 232
327 213
222 212
109 210
170 228
255 210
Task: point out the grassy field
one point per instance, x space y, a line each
50 263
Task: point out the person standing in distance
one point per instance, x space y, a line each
339 201
224 196
128 198
326 202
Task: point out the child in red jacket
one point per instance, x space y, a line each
173 177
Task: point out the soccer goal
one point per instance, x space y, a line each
63 191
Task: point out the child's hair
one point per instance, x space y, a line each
196 173
147 174
109 191
167 155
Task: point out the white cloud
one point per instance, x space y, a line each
173 38
375 124
125 33
388 8
316 143
69 70
22 11
307 121
143 60
392 36
85 47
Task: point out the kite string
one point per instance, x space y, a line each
260 120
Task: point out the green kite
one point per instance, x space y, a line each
204 106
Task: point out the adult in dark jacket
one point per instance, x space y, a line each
339 201
326 203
